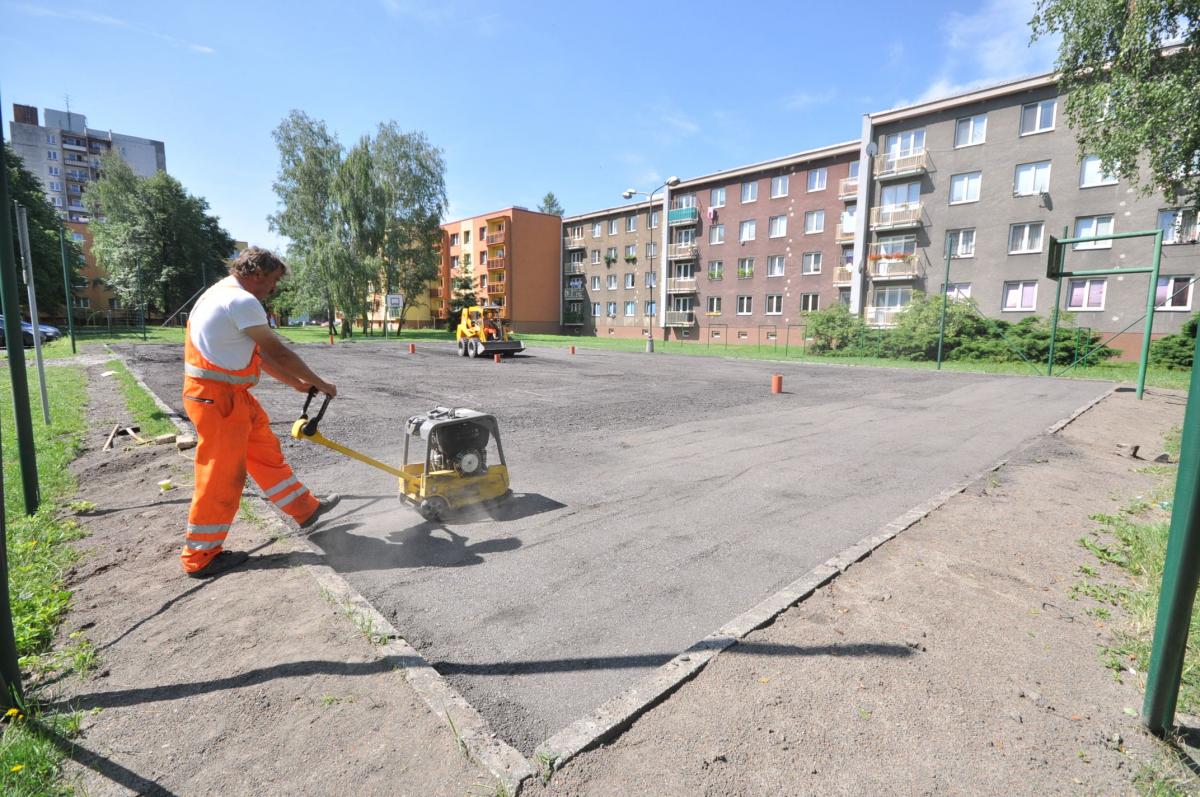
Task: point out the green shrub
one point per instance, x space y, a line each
833 329
1029 339
915 336
1175 351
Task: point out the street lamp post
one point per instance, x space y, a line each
630 194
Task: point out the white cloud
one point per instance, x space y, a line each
81 15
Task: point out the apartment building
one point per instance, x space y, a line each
65 154
514 259
989 176
610 270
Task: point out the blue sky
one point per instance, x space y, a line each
583 99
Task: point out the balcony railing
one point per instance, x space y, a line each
435 293
497 264
894 217
681 285
572 294
894 267
676 216
495 238
848 188
572 267
845 232
572 319
881 316
571 242
889 166
681 251
843 275
680 318
496 289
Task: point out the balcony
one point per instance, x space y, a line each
496 237
881 316
890 166
680 318
681 251
681 285
568 243
79 177
435 293
573 268
882 267
843 275
848 188
495 290
680 216
896 217
844 234
75 160
572 294
496 264
572 319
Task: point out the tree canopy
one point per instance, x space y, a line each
550 204
1130 72
157 243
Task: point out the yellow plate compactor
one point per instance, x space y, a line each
454 472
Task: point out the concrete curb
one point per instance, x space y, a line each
617 714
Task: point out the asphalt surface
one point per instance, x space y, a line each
655 498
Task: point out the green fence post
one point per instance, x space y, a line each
1181 571
1152 295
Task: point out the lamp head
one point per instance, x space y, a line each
628 194
672 181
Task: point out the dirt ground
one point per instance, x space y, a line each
951 661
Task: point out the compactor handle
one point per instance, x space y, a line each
310 428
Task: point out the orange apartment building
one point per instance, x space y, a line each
514 258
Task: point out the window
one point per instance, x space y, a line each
454 261
51 139
1178 226
631 223
810 263
903 145
777 226
1038 117
814 222
779 186
631 280
714 305
51 154
716 269
900 195
1173 293
817 179
55 185
651 250
1025 238
1031 178
610 254
654 220
630 309
597 229
774 304
575 232
959 290
54 171
1086 294
630 251
775 266
746 230
810 302
848 256
970 131
595 309
612 282
651 279
651 309
57 201
467 235
1092 226
595 282
716 198
454 239
81 302
749 192
745 268
716 234
962 243
611 309
745 305
595 257
1020 295
1091 173
965 187
612 226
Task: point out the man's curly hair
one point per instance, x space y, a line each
256 260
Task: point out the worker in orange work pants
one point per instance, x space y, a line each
233 432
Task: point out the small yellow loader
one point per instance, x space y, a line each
481 332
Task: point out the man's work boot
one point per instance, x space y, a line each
223 562
327 503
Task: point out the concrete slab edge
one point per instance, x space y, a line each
174 417
617 714
471 731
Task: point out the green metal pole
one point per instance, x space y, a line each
62 249
1054 313
945 302
1151 294
1181 572
141 299
10 299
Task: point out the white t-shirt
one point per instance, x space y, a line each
217 321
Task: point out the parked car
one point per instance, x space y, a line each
26 334
50 332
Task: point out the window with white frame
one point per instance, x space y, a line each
777 226
1031 178
651 279
612 282
597 229
610 253
903 145
959 290
1092 226
454 239
611 309
55 185
1086 294
1038 117
630 250
81 302
810 263
1178 226
810 302
595 309
774 304
1020 295
631 280
817 179
453 261
779 186
654 220
714 305
612 226
900 195
52 154
746 230
716 234
814 222
595 282
651 250
745 268
1025 238
630 309
965 187
51 138
651 308
631 223
716 269
745 305
716 198
750 192
1173 293
53 171
775 265
962 242
595 257
970 131
1091 173
57 201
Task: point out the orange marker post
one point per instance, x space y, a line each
496 358
412 348
776 383
572 350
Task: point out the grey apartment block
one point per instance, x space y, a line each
65 154
991 175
